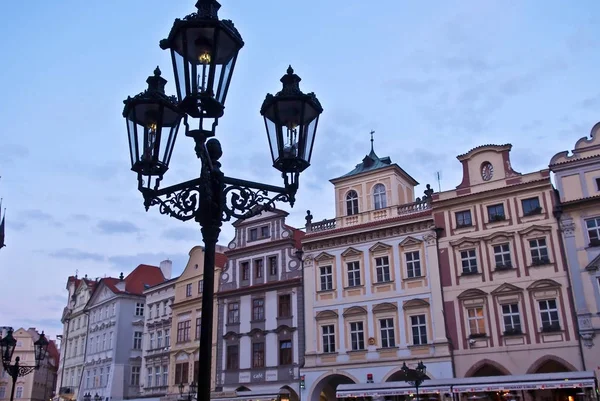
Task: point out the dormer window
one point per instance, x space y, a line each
351 203
379 198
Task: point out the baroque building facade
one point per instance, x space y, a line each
260 311
115 336
507 296
371 284
158 319
185 327
74 337
577 178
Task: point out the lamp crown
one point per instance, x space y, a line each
208 8
156 83
291 83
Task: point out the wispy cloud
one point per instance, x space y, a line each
117 227
126 263
76 254
182 234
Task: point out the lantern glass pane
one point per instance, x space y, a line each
307 140
133 150
180 76
223 72
169 136
272 135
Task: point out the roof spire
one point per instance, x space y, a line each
372 132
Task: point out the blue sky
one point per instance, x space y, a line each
433 79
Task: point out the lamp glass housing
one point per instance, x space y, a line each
7 346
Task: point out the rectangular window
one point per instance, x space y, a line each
159 339
258 355
165 372
531 206
511 319
139 309
386 327
197 328
258 309
272 265
549 315
183 331
110 336
2 391
137 340
539 251
135 375
496 212
264 232
326 275
502 256
285 352
87 379
167 337
157 376
476 321
413 264
328 332
245 271
469 261
188 290
253 234
149 379
357 336
182 373
76 346
593 229
100 379
382 265
258 268
196 371
149 311
353 274
200 287
233 357
19 392
103 342
463 219
285 309
107 374
419 329
233 313
597 188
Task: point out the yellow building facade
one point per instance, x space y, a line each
371 284
577 177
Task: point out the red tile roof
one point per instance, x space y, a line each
137 280
220 260
298 235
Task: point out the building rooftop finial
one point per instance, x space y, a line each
372 132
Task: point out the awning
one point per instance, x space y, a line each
540 385
391 391
246 396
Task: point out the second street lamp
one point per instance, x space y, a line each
204 50
415 377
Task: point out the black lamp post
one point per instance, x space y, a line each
204 50
87 397
415 377
97 397
191 391
7 348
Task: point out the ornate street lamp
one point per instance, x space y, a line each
97 397
191 391
204 50
7 347
87 397
415 377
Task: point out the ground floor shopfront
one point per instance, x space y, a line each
564 386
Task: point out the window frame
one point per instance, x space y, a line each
357 335
553 323
245 270
537 252
476 315
471 260
510 315
595 229
188 290
284 308
353 273
258 354
232 361
528 208
413 265
387 333
273 267
183 331
258 309
286 357
258 268
233 313
137 340
328 338
326 277
351 203
461 216
421 328
379 196
506 263
382 269
493 212
139 309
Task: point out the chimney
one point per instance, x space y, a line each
166 266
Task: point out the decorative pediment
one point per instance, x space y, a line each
415 303
355 311
472 293
410 241
181 356
326 314
535 229
380 247
351 252
231 335
385 307
285 329
323 256
506 288
101 294
465 241
594 265
256 333
500 236
543 284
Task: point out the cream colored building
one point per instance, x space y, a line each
37 385
371 284
577 178
506 290
185 328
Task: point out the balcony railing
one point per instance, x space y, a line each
415 207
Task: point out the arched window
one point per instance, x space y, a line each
379 198
351 203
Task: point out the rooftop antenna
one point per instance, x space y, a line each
372 132
76 272
438 177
